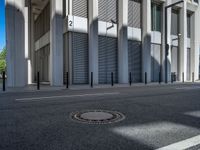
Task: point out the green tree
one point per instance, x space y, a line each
3 60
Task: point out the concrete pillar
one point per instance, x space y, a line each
195 43
183 42
123 42
146 40
15 43
168 2
93 40
56 43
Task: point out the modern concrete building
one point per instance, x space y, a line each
101 36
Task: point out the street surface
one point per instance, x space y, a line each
157 117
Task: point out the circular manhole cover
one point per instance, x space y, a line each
97 116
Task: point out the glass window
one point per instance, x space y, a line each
156 17
188 25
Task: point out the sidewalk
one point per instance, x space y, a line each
47 87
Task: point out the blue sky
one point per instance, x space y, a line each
2 24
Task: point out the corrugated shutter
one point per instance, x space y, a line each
108 9
134 13
175 22
80 58
155 62
80 8
107 59
135 60
188 64
174 60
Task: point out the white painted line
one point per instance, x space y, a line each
182 145
65 96
188 88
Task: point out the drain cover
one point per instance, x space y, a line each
97 116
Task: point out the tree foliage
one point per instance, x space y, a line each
3 60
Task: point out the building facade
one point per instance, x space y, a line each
101 37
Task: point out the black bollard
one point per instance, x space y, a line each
183 77
159 77
145 77
193 77
4 81
130 78
67 80
112 82
38 81
91 83
172 78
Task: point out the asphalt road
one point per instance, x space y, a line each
156 117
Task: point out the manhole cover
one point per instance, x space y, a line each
97 116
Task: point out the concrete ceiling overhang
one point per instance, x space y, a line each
37 6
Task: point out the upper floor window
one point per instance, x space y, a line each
188 25
156 17
175 22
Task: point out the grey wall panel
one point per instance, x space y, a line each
107 59
188 64
42 63
108 9
80 8
155 62
134 13
135 60
80 58
174 60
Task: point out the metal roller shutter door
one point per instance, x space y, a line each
135 60
188 64
155 62
134 13
174 60
80 8
108 9
107 59
80 58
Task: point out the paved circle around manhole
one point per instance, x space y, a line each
97 116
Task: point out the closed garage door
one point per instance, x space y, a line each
80 8
135 60
107 59
134 13
174 60
188 64
155 62
80 58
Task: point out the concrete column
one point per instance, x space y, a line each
195 43
56 43
168 2
93 40
123 42
146 40
15 43
183 42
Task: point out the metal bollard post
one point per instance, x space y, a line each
145 77
183 77
193 77
4 81
91 84
130 78
67 80
159 77
112 82
172 78
38 81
